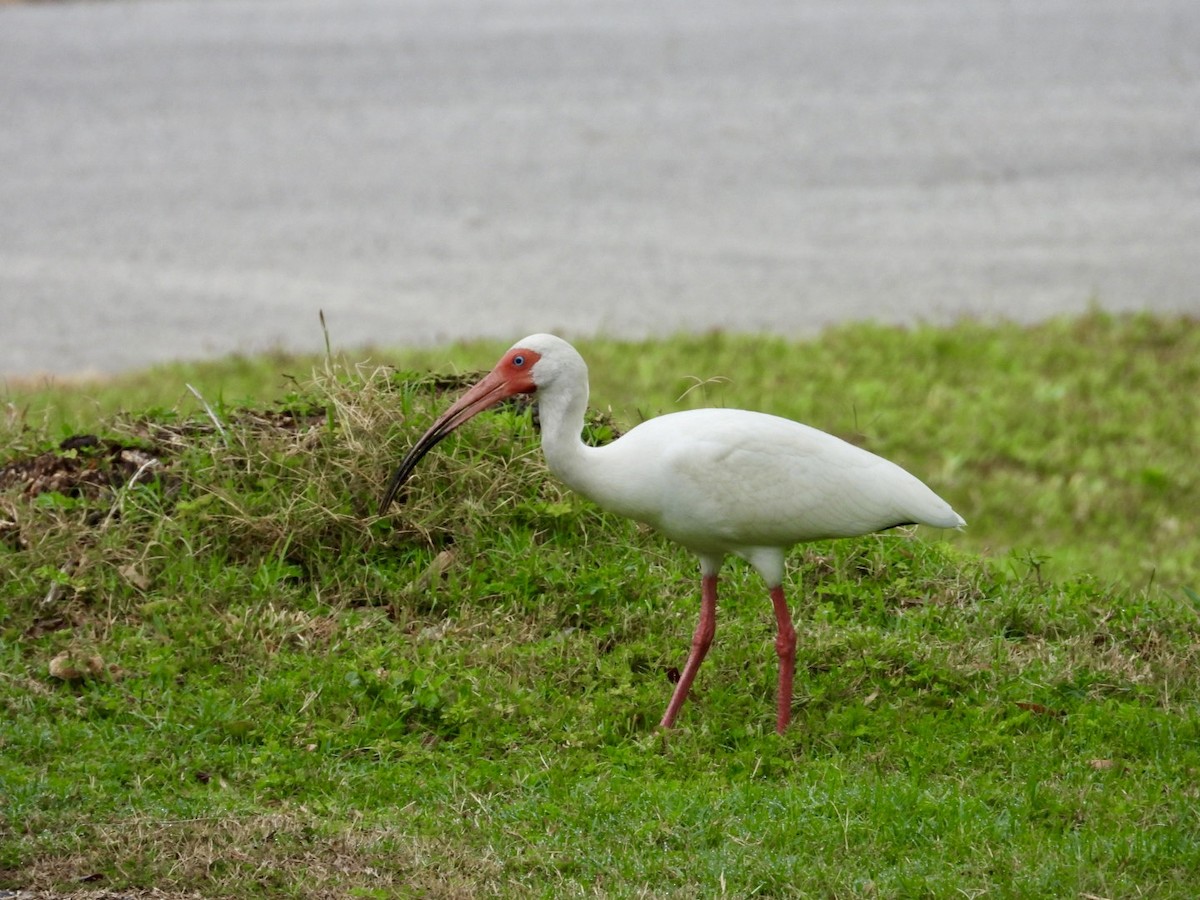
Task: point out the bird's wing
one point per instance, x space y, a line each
752 479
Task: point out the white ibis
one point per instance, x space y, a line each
718 481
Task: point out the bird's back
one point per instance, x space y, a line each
720 480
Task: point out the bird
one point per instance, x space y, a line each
720 482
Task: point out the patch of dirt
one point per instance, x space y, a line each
84 465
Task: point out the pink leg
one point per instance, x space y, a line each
701 641
785 646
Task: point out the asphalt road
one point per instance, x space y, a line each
191 177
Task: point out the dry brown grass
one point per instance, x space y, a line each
290 852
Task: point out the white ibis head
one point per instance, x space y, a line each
528 364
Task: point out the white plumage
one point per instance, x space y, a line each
718 481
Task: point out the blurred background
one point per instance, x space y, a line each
188 178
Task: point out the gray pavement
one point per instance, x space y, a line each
182 178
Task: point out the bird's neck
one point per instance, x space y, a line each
561 411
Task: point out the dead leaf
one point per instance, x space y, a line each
135 576
76 666
437 568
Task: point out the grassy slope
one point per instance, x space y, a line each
461 699
1072 442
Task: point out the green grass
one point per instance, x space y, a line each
293 697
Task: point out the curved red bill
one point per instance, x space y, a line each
502 382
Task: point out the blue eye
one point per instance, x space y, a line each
518 361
